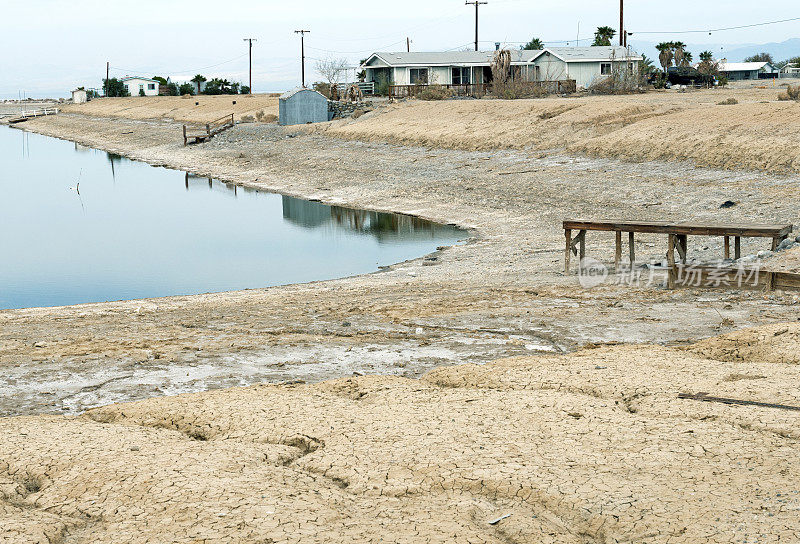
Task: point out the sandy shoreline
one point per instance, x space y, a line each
463 445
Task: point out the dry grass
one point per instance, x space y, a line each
178 108
758 134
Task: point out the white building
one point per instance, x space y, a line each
585 65
791 70
138 85
736 71
79 96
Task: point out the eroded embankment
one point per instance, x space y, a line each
589 447
758 133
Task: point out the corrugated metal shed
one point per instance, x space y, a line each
301 106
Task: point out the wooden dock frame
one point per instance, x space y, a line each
203 134
678 236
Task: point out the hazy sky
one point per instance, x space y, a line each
70 41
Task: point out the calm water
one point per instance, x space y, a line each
136 231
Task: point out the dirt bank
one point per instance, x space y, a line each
187 109
757 133
503 294
589 447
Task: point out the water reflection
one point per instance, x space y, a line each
382 226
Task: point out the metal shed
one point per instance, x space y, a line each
302 106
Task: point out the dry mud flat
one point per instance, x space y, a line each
589 447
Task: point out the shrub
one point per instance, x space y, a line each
434 92
793 91
322 88
515 89
382 85
247 119
728 102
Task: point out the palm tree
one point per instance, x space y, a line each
198 79
534 45
603 35
687 59
647 65
706 56
678 53
665 54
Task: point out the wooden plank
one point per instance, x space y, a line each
737 245
671 262
631 249
568 250
618 252
683 228
786 280
727 247
582 236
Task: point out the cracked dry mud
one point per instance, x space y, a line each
578 445
576 448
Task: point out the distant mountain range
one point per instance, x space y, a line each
732 52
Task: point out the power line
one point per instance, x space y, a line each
476 3
710 30
139 70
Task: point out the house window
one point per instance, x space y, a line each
151 86
461 75
418 76
141 87
605 68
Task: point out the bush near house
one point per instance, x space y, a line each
513 89
434 92
186 88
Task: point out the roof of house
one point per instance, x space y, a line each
743 66
450 58
126 78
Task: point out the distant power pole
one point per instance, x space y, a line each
621 22
251 40
476 3
108 65
302 53
408 45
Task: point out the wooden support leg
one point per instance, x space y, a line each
683 244
737 247
727 247
631 249
582 236
671 262
618 253
568 250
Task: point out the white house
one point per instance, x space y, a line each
137 85
792 70
736 71
585 65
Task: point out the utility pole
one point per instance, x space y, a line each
476 3
621 22
303 53
107 68
408 45
251 40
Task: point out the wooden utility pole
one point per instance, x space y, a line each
408 45
476 3
621 22
302 54
251 40
108 65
